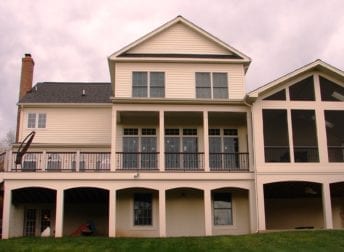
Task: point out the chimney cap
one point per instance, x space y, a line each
28 55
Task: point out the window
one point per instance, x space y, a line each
222 204
139 150
331 91
223 149
156 86
36 120
181 151
278 96
211 85
142 209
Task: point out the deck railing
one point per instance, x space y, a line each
229 161
279 154
63 161
184 161
137 160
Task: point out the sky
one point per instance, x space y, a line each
70 40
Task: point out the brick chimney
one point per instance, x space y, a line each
26 75
25 85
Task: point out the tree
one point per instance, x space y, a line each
7 141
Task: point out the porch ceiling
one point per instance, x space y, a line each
86 195
33 195
292 190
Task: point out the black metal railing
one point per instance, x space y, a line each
184 161
229 161
63 161
95 161
279 154
335 153
31 162
306 154
137 160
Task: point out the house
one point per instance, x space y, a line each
174 146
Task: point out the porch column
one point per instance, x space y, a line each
6 214
162 213
207 212
59 213
162 140
253 210
112 213
206 141
113 139
327 208
261 207
249 141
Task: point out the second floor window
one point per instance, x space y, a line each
211 85
36 120
148 84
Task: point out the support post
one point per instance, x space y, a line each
162 213
59 213
112 213
327 208
207 212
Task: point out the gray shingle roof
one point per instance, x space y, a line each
72 92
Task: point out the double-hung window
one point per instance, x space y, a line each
148 84
36 120
222 204
211 85
143 209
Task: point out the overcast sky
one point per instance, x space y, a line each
71 39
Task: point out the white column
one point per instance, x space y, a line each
290 130
206 141
162 213
327 208
6 214
253 210
112 213
249 140
113 139
59 213
261 207
77 161
207 212
161 140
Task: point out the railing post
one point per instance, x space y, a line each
161 141
77 161
206 141
42 163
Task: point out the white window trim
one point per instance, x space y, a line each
212 86
148 84
37 116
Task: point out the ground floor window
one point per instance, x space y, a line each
222 206
142 209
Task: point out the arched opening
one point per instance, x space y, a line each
32 212
137 212
293 205
86 211
230 211
185 212
337 199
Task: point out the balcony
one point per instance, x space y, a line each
180 161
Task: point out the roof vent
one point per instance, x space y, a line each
83 92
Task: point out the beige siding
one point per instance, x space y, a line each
179 78
179 39
72 125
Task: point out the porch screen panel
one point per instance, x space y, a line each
276 139
304 136
231 149
335 135
215 152
190 156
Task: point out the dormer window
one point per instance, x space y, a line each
211 85
148 84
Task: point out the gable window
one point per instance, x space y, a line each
143 209
222 206
148 84
211 85
36 120
302 90
331 91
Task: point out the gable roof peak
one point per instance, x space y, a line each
190 25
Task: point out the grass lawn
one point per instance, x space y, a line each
280 241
